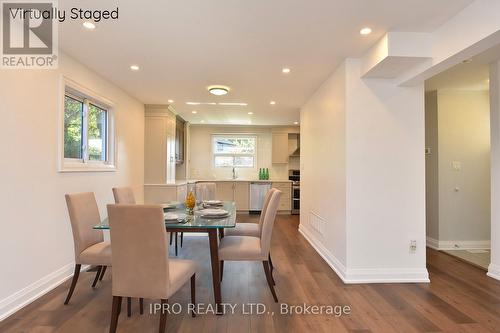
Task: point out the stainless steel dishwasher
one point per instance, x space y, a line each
258 192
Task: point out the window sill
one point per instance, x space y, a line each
87 167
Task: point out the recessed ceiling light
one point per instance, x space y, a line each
365 31
89 25
295 122
202 121
467 61
285 70
250 112
194 112
170 101
272 102
218 90
134 67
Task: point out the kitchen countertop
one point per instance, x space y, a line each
193 181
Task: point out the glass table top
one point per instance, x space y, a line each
186 221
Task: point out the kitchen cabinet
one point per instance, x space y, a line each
158 194
225 191
286 197
242 195
179 140
159 146
280 148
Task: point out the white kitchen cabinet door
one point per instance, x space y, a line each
225 191
241 195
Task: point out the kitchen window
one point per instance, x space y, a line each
87 131
237 151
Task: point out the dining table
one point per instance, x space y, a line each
195 221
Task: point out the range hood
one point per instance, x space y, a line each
296 152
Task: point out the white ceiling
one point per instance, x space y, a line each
184 46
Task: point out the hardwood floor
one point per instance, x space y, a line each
460 298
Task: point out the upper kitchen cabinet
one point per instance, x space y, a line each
159 145
280 148
180 142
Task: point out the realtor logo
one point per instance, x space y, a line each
29 35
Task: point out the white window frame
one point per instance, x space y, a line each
87 96
234 135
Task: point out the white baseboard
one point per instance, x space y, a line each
494 271
458 245
327 256
365 275
35 290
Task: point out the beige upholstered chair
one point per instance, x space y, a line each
90 247
251 229
249 248
205 191
124 195
139 240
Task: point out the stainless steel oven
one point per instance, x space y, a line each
294 176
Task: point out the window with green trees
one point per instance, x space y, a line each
85 129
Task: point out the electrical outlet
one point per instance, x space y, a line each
413 246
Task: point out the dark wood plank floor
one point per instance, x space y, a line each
460 298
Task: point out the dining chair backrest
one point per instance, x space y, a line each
124 195
205 191
139 251
268 223
84 215
267 198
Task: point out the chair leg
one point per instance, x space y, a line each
175 244
73 283
102 272
193 293
182 238
129 306
272 268
269 279
97 274
141 306
171 235
163 317
221 269
115 312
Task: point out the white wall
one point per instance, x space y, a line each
323 171
385 179
464 137
362 180
36 245
200 152
494 268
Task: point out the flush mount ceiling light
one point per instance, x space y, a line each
285 70
170 101
218 90
194 112
272 102
134 67
365 31
89 25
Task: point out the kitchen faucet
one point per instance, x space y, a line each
234 173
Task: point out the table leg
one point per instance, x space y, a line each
214 256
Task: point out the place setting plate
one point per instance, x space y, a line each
212 203
170 205
174 217
213 213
